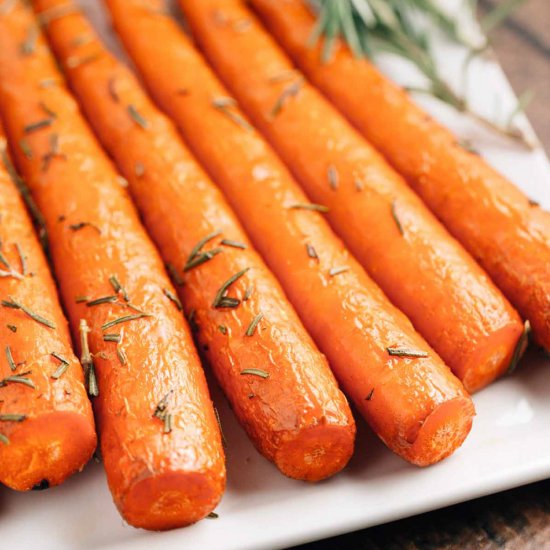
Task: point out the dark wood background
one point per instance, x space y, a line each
517 519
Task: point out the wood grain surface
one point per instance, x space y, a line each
518 519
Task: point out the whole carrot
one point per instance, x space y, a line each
46 423
503 229
348 316
278 383
160 441
421 268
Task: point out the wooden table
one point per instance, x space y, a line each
517 519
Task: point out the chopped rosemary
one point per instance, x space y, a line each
227 106
12 417
13 328
81 299
3 259
28 47
117 287
253 325
256 372
18 379
309 206
38 125
369 396
35 316
22 259
221 300
333 177
218 420
121 355
4 439
396 217
201 258
161 412
212 515
171 296
26 148
9 357
52 153
112 90
248 293
174 275
234 244
311 252
113 337
222 329
406 352
103 300
124 319
337 270
86 359
292 90
137 117
81 225
62 368
520 348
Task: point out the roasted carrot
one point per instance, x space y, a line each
421 268
160 441
503 229
350 319
46 424
277 381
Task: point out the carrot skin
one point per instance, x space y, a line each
94 234
347 314
297 416
57 437
504 231
405 249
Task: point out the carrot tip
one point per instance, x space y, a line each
46 450
443 432
171 500
317 452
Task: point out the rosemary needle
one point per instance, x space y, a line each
406 352
124 319
9 357
11 303
256 372
254 324
221 300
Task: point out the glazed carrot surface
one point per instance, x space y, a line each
505 231
46 424
277 381
348 316
420 267
160 441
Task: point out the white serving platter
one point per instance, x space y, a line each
509 444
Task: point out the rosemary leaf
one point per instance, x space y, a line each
255 372
406 352
9 357
137 117
520 348
114 337
309 206
18 379
12 417
13 328
124 319
222 329
254 323
369 396
396 217
103 300
311 252
221 300
292 90
234 244
11 303
171 296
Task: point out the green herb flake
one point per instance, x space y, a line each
221 300
9 357
103 300
234 244
309 206
255 372
292 90
228 107
11 303
25 148
161 412
137 117
396 217
171 296
311 252
337 270
253 325
113 337
124 319
12 417
406 352
520 348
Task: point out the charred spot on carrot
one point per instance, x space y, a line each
81 225
13 328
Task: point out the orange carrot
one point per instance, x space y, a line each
350 319
504 230
159 437
278 383
420 267
46 423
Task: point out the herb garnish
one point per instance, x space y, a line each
11 303
60 371
73 62
290 91
103 300
22 259
520 348
112 90
333 177
196 257
311 252
221 300
121 355
18 379
248 293
12 417
137 117
227 106
124 319
13 328
117 287
254 323
9 357
86 360
161 412
114 337
396 217
256 372
174 275
28 47
171 296
222 329
406 352
26 148
38 125
309 206
232 243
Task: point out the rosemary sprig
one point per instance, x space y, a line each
221 300
103 300
311 252
337 270
13 328
406 352
114 337
520 348
396 217
22 259
38 125
11 303
370 27
197 257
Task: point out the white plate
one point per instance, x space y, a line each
509 444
